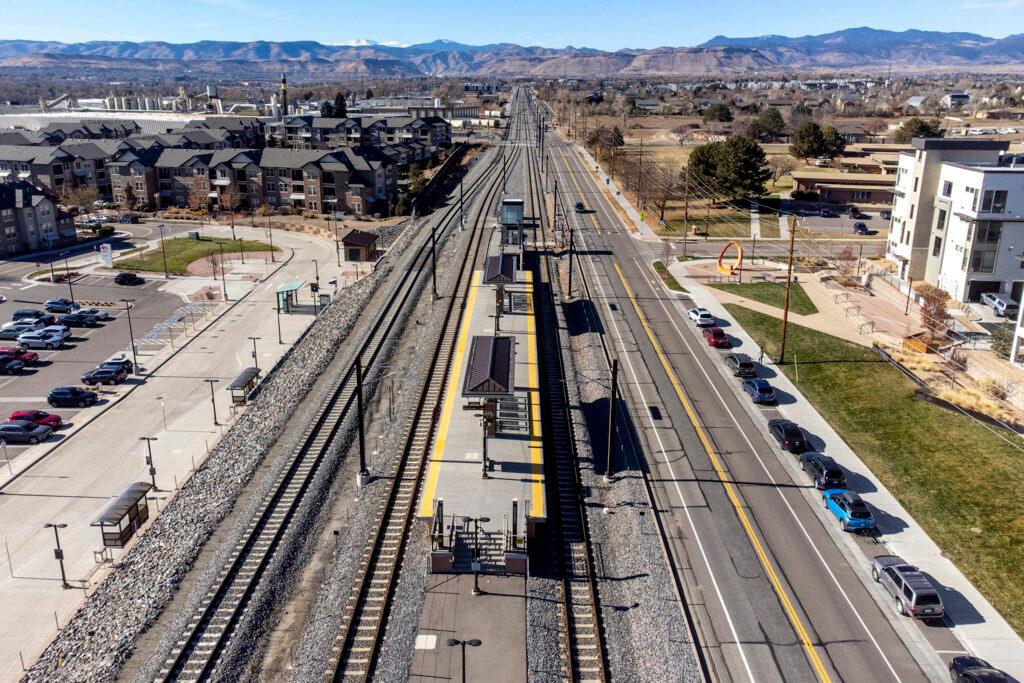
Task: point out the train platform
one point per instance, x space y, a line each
484 485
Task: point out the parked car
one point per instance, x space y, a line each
61 306
26 357
102 375
10 366
1003 306
39 340
127 279
886 215
716 337
128 218
860 228
823 470
828 213
965 669
40 417
15 329
67 397
120 361
857 213
852 512
59 330
580 208
77 320
32 314
788 434
702 317
741 365
97 313
22 431
914 594
759 390
101 204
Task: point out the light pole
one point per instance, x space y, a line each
163 249
476 549
452 642
67 273
270 233
213 400
131 334
223 277
58 554
149 459
255 359
280 340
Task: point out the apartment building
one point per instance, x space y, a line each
133 182
914 192
313 132
30 220
45 167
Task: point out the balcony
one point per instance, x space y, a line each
223 182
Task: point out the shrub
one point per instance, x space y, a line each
994 387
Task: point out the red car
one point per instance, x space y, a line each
38 417
24 355
716 337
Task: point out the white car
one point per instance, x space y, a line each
62 331
702 317
97 313
14 329
39 340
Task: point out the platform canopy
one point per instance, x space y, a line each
117 510
491 367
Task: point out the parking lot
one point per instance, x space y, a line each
86 347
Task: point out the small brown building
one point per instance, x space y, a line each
360 246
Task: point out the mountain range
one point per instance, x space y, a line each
855 49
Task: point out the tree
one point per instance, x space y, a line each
1001 340
230 200
663 185
917 127
768 124
416 180
934 316
341 105
807 141
369 94
733 168
717 112
833 143
703 165
326 109
131 201
80 197
780 165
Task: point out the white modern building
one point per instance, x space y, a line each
917 182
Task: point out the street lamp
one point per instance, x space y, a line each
213 400
67 273
58 554
452 642
255 360
163 249
131 334
223 277
476 549
280 340
149 459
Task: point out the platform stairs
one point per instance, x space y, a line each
491 552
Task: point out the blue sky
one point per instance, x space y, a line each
603 24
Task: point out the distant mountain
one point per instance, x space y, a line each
861 49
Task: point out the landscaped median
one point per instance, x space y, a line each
181 251
668 278
772 294
962 481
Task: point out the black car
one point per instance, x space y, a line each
824 471
119 362
33 314
789 435
828 213
23 431
77 320
128 218
10 366
102 375
69 397
964 669
741 365
127 279
580 207
861 228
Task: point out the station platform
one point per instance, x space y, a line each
484 494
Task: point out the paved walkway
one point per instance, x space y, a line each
755 221
79 478
977 624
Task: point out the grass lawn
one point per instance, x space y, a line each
770 226
667 277
957 478
182 251
771 293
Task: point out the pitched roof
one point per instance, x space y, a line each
31 154
491 367
359 238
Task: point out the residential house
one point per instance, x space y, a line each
955 99
837 187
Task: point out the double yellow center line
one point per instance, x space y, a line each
730 491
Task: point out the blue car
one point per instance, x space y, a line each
852 512
759 390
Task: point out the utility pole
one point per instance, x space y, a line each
270 232
363 472
611 418
572 249
785 308
433 257
686 207
640 177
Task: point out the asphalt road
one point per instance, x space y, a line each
776 596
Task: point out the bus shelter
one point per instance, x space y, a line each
288 295
124 516
243 385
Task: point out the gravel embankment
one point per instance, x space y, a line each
95 644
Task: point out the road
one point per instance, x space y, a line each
776 597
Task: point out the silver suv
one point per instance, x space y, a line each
914 594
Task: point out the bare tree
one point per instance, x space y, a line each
934 315
662 185
230 200
780 165
80 197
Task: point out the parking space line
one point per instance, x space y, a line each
34 284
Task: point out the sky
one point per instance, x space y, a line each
601 24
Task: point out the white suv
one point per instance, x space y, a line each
39 340
702 317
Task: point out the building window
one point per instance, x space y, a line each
983 261
940 222
989 232
937 246
993 201
911 211
974 198
861 195
947 188
916 180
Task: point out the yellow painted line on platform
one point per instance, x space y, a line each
730 490
451 396
533 388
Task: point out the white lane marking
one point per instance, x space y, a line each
34 284
764 467
661 445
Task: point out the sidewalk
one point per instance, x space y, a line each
989 636
84 473
644 231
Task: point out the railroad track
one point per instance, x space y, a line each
198 651
365 614
583 649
